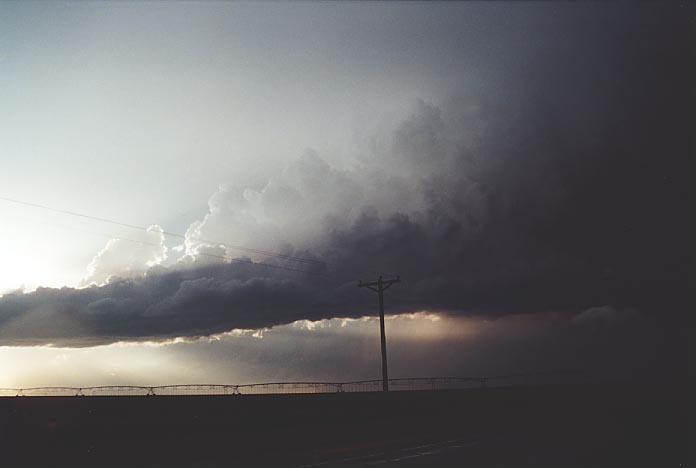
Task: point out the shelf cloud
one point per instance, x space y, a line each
569 197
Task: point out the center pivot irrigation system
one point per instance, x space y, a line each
558 377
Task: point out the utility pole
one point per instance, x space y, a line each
379 287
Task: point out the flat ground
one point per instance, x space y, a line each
548 426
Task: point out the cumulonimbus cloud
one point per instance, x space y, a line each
127 258
559 201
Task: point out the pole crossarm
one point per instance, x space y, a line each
379 287
384 282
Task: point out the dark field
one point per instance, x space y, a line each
549 426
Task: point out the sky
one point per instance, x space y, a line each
521 165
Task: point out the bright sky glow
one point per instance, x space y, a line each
239 357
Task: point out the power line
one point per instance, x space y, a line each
328 268
204 254
232 259
294 258
379 287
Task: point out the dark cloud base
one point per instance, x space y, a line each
572 195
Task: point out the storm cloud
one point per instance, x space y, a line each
565 189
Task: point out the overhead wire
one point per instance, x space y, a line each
233 259
294 258
204 254
327 267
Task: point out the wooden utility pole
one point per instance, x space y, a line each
379 287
